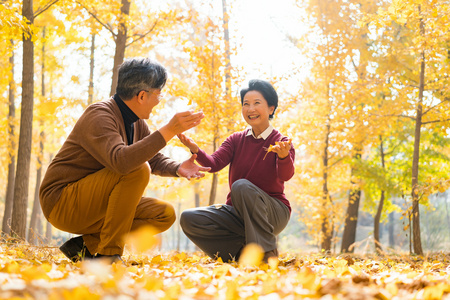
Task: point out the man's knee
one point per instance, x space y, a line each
142 174
169 217
144 171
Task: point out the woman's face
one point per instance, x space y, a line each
256 110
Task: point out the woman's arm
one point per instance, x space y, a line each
285 160
218 160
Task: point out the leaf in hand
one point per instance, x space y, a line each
270 148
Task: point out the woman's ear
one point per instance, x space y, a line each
271 109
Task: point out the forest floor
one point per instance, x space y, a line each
31 272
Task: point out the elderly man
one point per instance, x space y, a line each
94 186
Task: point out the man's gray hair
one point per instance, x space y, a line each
139 74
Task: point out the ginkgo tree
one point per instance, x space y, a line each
19 213
130 22
11 33
415 35
335 96
209 87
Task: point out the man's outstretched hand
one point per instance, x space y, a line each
189 169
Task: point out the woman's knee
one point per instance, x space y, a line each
243 190
240 185
186 219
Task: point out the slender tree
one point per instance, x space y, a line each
19 214
91 71
415 163
121 41
418 67
376 220
34 229
129 26
326 218
351 216
9 197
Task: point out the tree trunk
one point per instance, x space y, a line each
91 72
121 40
19 214
40 229
376 224
351 218
48 233
391 230
197 194
33 229
9 197
448 216
213 192
417 243
226 36
48 229
178 227
326 228
215 179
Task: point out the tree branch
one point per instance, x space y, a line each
428 110
43 9
400 116
393 149
141 36
435 121
335 163
108 27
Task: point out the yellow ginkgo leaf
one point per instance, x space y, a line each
270 148
142 239
251 256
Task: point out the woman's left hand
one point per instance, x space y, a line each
282 149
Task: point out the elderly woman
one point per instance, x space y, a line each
256 210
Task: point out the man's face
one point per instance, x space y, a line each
151 99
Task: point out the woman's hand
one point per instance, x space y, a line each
282 149
188 142
181 122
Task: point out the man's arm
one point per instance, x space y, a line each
162 165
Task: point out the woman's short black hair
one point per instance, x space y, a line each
266 89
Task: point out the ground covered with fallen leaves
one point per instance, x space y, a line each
29 272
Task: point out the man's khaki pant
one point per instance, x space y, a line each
105 206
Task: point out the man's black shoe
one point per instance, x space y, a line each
115 258
75 249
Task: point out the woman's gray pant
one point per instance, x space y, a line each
223 230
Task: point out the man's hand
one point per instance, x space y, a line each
181 122
189 169
188 142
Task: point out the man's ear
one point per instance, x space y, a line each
140 96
